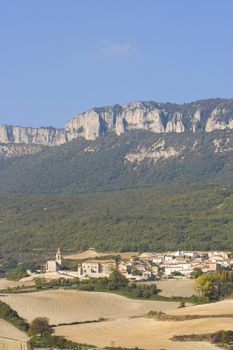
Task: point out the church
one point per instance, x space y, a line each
55 265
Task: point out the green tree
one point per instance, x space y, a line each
196 273
117 279
17 274
40 282
40 325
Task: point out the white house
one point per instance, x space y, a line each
96 268
184 269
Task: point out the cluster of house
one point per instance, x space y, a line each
87 268
185 262
146 266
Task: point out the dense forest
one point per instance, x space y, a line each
150 218
86 166
86 194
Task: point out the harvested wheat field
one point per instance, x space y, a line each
144 333
9 331
4 283
170 287
62 306
218 308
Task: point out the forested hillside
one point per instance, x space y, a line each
138 191
200 217
112 162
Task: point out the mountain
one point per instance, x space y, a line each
163 180
139 144
134 159
204 115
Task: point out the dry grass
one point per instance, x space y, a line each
72 306
9 331
220 308
152 334
4 283
170 287
144 333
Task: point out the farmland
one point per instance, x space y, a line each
144 333
73 306
125 320
153 334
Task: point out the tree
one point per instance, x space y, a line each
40 325
136 272
196 273
204 285
40 282
117 279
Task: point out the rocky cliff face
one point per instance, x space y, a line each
205 115
39 136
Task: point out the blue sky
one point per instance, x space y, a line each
61 57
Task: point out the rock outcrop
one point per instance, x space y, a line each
155 152
205 115
11 150
39 136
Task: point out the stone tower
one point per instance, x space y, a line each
59 257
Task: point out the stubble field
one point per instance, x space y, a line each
152 334
68 306
9 331
144 333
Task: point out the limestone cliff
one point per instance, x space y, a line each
40 136
205 115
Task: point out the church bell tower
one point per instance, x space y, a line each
59 257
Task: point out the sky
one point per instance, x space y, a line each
62 57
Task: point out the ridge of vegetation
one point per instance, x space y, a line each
145 219
87 166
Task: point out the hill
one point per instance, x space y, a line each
113 162
141 189
166 218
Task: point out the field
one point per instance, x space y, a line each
120 327
219 308
91 253
144 333
170 287
4 283
152 334
71 306
9 331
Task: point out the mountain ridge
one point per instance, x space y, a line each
139 190
136 159
202 115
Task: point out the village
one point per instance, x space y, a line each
140 267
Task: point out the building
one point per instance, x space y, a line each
54 265
122 267
184 269
96 268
